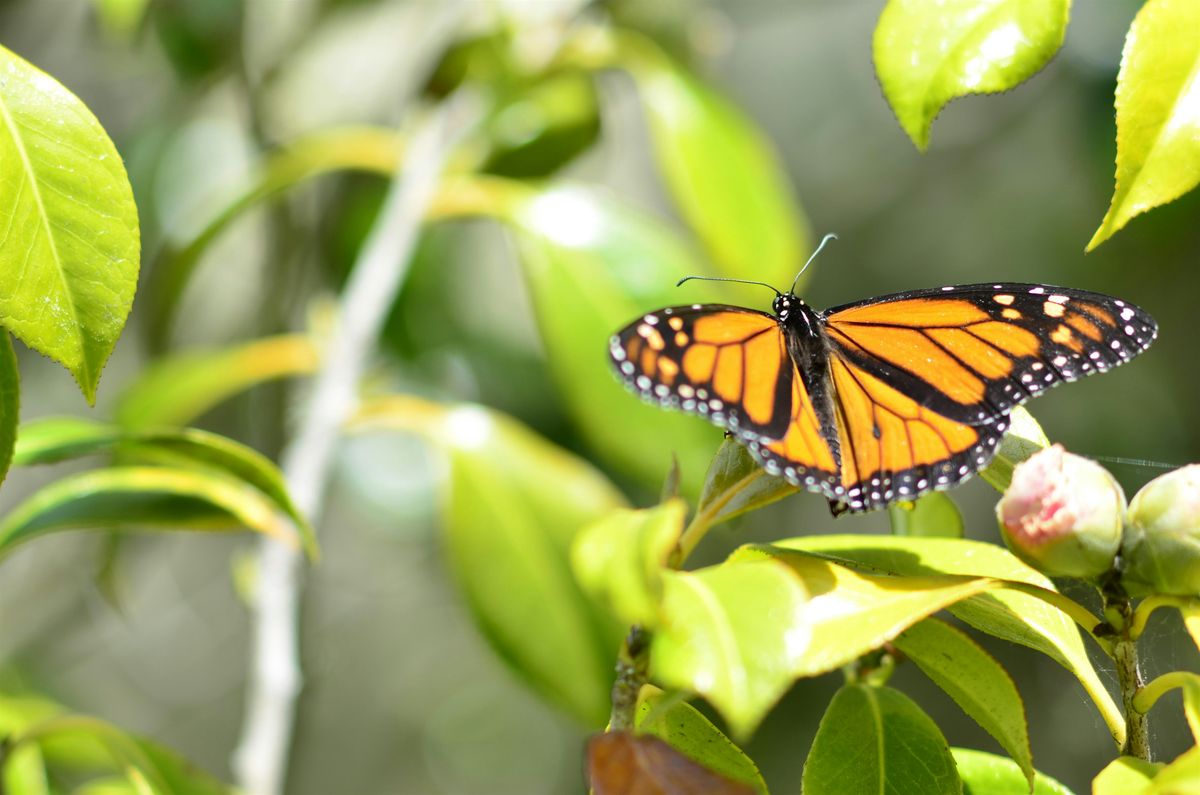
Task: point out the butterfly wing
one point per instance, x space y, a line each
971 353
726 363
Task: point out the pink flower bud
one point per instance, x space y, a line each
1162 545
1063 514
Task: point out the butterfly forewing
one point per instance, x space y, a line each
973 352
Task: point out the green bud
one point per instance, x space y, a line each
1162 544
1063 514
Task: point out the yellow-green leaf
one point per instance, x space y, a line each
928 52
1023 438
1126 775
735 484
69 254
988 774
933 514
1180 777
1158 112
10 402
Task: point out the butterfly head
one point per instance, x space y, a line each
785 305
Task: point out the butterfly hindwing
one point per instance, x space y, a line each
972 353
726 363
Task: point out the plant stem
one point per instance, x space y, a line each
1118 610
633 663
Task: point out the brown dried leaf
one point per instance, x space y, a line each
620 763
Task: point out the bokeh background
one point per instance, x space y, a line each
402 694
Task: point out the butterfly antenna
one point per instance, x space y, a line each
726 279
824 240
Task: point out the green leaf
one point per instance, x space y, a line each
1023 438
10 402
1191 707
513 506
24 772
988 774
975 681
619 559
932 514
1007 614
69 255
1180 777
732 633
686 730
122 18
154 497
1158 113
176 390
1126 775
929 52
736 484
593 266
49 440
876 740
738 203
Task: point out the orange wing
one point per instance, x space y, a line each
728 364
971 353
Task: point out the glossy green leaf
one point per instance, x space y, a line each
158 498
976 682
733 633
619 560
1158 112
850 613
363 149
1126 775
513 506
178 389
735 484
593 266
50 440
988 774
875 740
1023 438
686 730
929 52
724 175
1180 777
10 402
1007 614
69 258
932 514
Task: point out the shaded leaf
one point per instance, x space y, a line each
619 559
736 484
620 763
733 633
69 259
178 389
988 774
1124 776
876 740
1023 438
929 52
1008 614
154 497
685 729
10 402
1158 112
739 204
932 514
976 682
513 506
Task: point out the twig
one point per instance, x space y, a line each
260 760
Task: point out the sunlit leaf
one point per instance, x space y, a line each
1191 621
513 505
50 440
620 559
975 681
737 202
121 17
736 484
620 763
685 729
933 514
24 772
159 498
10 402
1023 438
178 389
1125 775
1158 112
988 774
876 740
928 52
733 633
1007 614
1180 777
1191 707
69 259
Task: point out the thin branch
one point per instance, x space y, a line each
260 760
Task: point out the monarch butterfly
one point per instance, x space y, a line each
880 400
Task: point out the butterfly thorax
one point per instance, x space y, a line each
808 347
